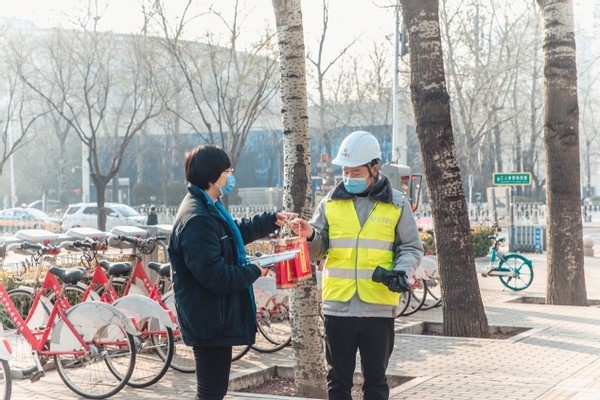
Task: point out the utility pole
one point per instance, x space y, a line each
399 155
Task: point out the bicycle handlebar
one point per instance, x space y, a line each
140 241
145 246
128 239
83 244
32 248
23 246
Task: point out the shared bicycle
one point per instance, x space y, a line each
92 344
515 271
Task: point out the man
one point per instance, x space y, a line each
152 218
363 223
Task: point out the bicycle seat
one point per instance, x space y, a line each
116 269
163 270
68 275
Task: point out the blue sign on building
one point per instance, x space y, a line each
538 239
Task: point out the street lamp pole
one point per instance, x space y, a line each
398 131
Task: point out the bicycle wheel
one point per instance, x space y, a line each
73 293
273 322
403 303
5 380
238 352
418 295
103 370
22 300
23 363
153 354
522 272
434 294
183 356
119 285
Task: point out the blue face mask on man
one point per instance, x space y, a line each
229 185
355 185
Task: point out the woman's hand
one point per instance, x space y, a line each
301 228
264 271
284 217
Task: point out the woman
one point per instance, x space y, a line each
212 280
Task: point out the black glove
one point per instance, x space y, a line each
398 283
394 280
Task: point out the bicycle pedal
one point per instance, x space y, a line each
36 376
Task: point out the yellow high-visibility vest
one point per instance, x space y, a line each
355 251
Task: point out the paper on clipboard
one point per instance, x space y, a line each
270 259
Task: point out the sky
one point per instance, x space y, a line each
369 19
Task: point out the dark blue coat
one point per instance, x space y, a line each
212 291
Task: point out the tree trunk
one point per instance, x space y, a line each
62 176
100 185
463 311
307 345
566 278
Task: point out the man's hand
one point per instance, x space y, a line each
398 283
301 228
394 280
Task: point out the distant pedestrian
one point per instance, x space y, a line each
152 218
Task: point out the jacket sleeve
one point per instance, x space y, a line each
260 226
408 246
319 245
202 252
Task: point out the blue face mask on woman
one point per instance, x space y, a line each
355 185
229 185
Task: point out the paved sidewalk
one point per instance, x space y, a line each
558 358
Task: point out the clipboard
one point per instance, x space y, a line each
269 259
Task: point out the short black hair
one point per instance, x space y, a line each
205 164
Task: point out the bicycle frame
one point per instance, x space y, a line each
38 339
495 257
147 288
515 271
99 278
140 305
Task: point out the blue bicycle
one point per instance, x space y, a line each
514 270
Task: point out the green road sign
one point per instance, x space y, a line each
512 178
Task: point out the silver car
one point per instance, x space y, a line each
86 215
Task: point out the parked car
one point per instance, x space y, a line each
14 219
86 215
51 205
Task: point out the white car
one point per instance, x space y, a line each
86 215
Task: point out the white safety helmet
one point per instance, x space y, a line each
358 148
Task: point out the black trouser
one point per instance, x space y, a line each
374 338
212 372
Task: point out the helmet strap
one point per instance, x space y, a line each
375 177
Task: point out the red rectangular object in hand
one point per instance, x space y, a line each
283 270
301 269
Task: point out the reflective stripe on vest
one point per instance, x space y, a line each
355 251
